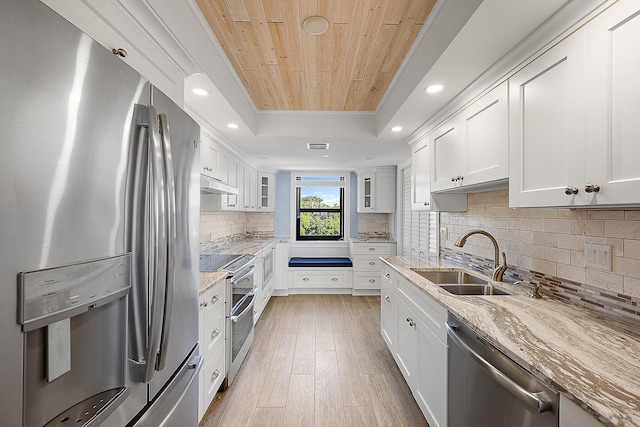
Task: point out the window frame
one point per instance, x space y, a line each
340 210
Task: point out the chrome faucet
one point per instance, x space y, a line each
499 269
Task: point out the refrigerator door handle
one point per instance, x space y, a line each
171 241
158 255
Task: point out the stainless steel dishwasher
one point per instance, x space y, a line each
488 389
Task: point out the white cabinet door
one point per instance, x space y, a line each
486 134
420 175
613 106
266 192
230 177
406 354
547 127
431 377
571 415
449 156
366 182
210 158
389 317
377 190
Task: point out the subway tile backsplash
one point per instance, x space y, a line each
546 246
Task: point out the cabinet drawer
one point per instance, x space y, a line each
373 248
426 308
213 332
321 279
211 300
367 263
389 276
364 280
213 374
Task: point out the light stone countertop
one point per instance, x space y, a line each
592 358
372 240
209 279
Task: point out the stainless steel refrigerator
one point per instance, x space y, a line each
99 215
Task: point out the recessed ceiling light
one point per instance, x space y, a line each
201 92
233 126
315 25
326 155
433 88
396 128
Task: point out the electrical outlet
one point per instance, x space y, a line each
598 256
444 233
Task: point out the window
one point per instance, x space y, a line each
319 213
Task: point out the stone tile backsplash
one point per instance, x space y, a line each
547 246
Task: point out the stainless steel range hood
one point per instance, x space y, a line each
213 186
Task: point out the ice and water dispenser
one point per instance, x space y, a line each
75 351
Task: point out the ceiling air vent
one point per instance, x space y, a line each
317 146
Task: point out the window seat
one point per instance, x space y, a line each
320 262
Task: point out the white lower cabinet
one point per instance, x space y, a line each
212 343
367 265
413 326
571 415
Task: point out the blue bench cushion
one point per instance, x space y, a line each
320 262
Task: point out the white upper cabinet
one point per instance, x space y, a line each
574 118
613 106
421 196
266 192
472 149
210 158
547 130
377 190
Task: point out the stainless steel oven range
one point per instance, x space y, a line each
241 289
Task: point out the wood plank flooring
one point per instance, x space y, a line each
317 360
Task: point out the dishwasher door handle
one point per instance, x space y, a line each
538 401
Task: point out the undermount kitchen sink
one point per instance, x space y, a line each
459 282
449 277
473 290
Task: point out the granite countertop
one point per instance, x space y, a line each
590 357
209 279
372 240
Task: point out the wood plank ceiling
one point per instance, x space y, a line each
348 68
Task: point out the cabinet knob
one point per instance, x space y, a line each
215 333
215 375
426 203
453 179
387 275
410 321
387 298
203 304
214 299
569 191
592 188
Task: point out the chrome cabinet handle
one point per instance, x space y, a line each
306 279
411 322
335 279
387 275
426 203
214 299
453 179
215 375
571 191
387 298
203 304
372 249
457 178
215 333
592 188
372 280
372 263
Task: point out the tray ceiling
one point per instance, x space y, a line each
348 68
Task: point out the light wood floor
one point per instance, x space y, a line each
317 360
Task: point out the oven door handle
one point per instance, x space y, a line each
247 274
538 401
247 309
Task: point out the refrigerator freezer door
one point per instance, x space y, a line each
65 118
